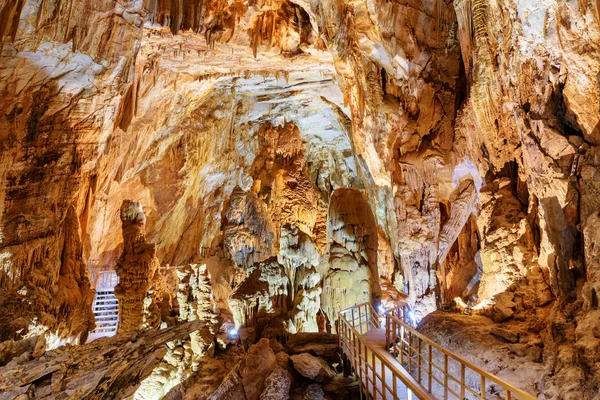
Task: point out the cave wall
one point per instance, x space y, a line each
468 129
62 82
501 96
174 137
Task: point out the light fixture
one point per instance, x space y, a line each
412 317
381 309
233 332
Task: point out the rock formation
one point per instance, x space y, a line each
139 289
294 158
108 367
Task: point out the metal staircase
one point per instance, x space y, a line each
106 311
106 305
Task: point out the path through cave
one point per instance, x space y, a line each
249 169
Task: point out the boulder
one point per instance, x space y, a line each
503 308
314 392
509 336
232 388
320 344
283 360
312 367
278 385
255 367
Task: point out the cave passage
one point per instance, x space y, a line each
274 199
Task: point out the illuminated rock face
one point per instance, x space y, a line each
62 82
350 265
296 157
140 286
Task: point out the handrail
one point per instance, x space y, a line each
366 315
359 350
414 353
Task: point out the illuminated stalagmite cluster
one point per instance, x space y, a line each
249 168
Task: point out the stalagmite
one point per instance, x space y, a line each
139 289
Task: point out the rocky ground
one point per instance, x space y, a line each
132 365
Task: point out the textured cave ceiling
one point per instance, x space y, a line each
260 165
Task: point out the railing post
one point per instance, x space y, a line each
356 360
482 387
462 381
429 367
374 374
445 376
360 320
410 353
401 345
383 379
387 332
419 358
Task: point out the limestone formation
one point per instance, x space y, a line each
294 158
196 303
139 289
108 367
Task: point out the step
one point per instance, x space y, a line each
106 306
106 325
105 328
107 317
107 322
114 310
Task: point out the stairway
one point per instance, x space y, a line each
106 311
395 361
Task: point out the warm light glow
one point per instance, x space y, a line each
483 305
460 303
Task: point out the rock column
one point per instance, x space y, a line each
136 268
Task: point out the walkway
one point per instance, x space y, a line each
394 361
376 339
106 305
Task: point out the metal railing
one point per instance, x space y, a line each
105 280
443 373
378 376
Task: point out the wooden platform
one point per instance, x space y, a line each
376 338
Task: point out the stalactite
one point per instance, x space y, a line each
464 14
